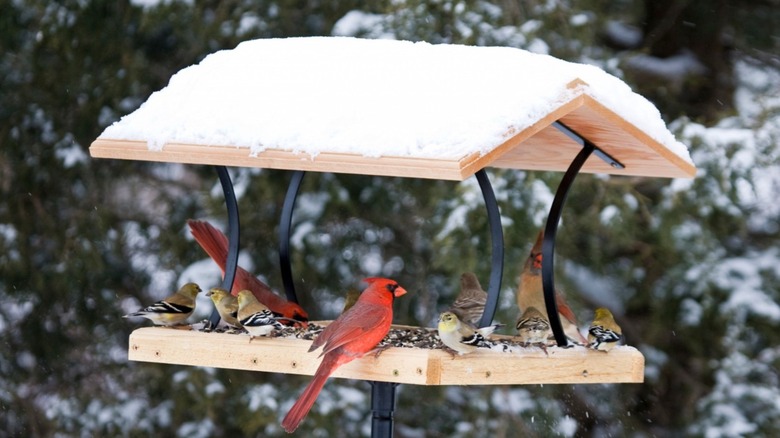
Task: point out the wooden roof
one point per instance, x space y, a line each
539 146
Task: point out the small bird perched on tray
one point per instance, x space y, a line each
604 333
459 337
254 316
173 310
533 328
226 305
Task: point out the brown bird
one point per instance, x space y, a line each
531 294
534 329
470 302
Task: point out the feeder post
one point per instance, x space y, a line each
382 409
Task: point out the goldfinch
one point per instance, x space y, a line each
173 310
460 337
255 316
604 333
531 294
533 327
226 305
470 303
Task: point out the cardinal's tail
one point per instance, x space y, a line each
304 403
211 240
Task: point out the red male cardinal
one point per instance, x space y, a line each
531 293
216 246
353 334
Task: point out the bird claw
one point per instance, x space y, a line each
379 350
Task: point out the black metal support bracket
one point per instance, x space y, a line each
497 248
553 219
382 409
233 232
285 225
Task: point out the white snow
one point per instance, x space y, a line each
372 98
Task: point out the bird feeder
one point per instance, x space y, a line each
393 108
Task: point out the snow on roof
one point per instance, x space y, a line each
374 98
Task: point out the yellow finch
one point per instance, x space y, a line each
470 303
604 333
173 310
460 337
531 294
255 316
226 305
533 327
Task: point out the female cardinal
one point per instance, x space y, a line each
531 294
216 246
353 334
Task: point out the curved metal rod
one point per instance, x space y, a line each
285 224
233 232
497 243
548 244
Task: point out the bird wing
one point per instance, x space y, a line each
564 309
259 319
604 334
166 307
358 329
469 306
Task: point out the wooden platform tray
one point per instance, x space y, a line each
416 366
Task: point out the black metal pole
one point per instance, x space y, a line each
382 409
285 224
233 234
497 244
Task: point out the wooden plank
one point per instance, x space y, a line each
428 168
623 364
403 365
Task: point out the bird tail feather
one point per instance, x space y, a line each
304 403
211 240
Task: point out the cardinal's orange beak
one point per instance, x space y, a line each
399 291
538 261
